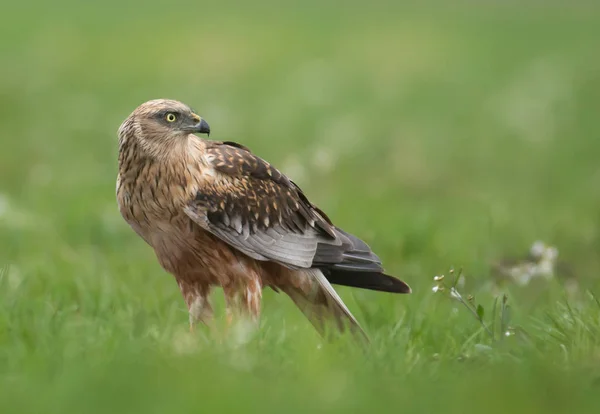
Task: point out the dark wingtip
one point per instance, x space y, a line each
398 285
367 280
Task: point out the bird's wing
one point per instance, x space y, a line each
253 207
256 209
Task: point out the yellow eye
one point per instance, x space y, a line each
171 117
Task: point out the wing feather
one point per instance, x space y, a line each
256 209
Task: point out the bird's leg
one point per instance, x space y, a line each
243 301
198 304
228 313
200 310
252 300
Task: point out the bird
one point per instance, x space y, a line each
219 216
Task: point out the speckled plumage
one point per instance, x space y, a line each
218 215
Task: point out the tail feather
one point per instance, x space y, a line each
355 264
324 304
372 280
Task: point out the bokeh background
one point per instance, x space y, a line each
445 134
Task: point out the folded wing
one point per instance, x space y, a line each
256 209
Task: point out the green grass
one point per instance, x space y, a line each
443 136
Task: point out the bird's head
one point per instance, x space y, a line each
159 124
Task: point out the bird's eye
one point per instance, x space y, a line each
170 117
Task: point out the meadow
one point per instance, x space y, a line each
447 137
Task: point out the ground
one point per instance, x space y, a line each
443 136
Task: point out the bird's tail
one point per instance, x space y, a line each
354 264
366 280
322 304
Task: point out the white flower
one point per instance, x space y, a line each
537 249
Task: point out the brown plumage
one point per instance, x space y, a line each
218 215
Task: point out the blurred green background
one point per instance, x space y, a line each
442 133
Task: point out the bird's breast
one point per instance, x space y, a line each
153 195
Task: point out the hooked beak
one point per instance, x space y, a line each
202 127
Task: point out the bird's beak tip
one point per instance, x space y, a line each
202 127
